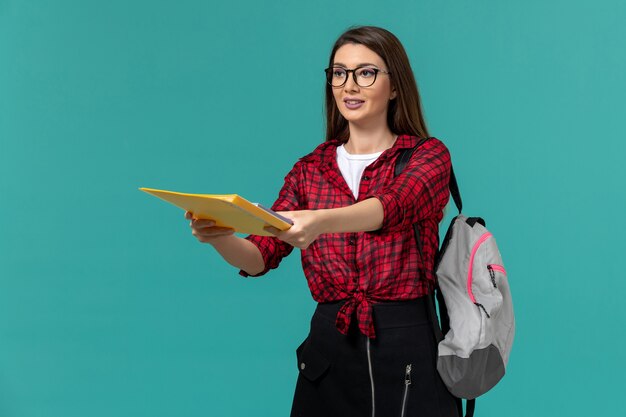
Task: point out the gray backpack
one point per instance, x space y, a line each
475 307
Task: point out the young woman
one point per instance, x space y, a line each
371 348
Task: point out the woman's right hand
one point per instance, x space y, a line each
205 230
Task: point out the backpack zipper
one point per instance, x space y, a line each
471 263
407 382
492 268
497 267
492 275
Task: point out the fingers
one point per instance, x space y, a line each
205 230
208 227
199 223
272 230
207 235
291 215
202 223
215 232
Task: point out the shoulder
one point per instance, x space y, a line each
430 143
434 142
321 153
433 158
432 147
428 148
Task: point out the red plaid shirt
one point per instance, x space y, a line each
367 267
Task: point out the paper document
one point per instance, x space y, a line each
228 210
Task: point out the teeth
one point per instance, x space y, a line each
353 101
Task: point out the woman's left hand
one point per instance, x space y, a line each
307 226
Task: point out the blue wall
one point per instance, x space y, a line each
110 307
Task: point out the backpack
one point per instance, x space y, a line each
475 307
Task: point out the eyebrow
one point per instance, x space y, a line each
363 64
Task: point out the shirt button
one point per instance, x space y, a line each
302 366
352 241
366 178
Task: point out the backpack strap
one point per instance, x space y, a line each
404 158
454 190
405 155
401 162
439 331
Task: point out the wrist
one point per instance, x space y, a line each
324 220
220 241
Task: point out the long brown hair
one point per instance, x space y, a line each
404 115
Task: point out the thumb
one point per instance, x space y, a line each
272 230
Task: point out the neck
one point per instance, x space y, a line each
369 140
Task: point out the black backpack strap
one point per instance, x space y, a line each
405 156
401 162
454 190
469 407
439 329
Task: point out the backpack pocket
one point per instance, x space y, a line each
483 275
495 269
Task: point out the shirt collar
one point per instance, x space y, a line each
327 151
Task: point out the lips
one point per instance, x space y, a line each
352 103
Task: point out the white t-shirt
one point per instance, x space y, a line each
352 167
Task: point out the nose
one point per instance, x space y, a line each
350 84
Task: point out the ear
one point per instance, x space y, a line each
393 95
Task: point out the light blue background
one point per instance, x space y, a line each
110 307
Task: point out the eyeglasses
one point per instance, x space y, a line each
363 76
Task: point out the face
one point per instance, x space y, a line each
362 105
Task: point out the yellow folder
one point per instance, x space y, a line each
228 210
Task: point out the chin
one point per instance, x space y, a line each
360 118
354 116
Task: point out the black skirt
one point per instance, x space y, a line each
391 375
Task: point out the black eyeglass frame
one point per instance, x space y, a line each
328 72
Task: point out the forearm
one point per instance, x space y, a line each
364 216
240 253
